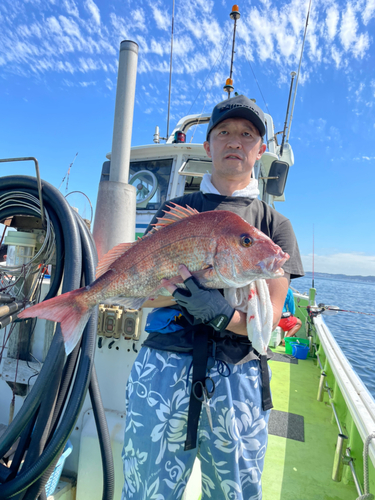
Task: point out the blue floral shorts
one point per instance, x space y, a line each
232 454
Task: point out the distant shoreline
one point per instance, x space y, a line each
342 277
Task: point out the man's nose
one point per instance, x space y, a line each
234 144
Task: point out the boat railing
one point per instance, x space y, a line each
358 399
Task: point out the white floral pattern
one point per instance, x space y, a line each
156 467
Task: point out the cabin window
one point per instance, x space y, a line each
151 180
193 170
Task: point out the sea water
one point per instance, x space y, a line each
355 333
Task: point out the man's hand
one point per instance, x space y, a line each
201 304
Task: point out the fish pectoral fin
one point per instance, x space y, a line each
109 258
207 277
126 302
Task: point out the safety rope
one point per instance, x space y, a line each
366 495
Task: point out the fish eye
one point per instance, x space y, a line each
246 241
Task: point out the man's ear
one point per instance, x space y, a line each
207 148
262 149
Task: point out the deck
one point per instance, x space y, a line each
302 437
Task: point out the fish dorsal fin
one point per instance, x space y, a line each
175 214
109 258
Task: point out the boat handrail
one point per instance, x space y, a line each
360 402
189 121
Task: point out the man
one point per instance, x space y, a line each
288 322
198 388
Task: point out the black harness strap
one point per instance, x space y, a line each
200 355
266 390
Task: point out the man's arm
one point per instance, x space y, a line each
278 289
160 301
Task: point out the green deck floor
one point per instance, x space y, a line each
302 470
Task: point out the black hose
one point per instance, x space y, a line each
72 272
104 438
31 480
94 390
71 282
89 265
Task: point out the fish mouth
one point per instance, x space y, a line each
271 266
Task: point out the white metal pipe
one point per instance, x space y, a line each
124 110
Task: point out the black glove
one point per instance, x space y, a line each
204 304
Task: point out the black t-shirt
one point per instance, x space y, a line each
255 212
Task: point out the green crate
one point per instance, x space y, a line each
292 340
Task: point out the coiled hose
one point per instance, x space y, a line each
42 426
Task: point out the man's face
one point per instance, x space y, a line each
234 146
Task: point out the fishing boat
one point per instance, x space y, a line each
62 419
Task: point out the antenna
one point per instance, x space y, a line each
170 72
235 14
293 74
299 69
313 261
66 176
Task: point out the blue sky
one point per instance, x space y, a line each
58 69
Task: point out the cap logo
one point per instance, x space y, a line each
232 106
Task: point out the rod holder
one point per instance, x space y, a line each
321 386
311 347
338 461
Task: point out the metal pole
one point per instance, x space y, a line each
321 387
338 459
116 203
170 73
352 468
231 62
39 183
293 74
299 69
124 110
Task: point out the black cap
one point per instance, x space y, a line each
237 107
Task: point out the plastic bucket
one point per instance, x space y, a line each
293 340
300 351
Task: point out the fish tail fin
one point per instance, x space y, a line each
69 309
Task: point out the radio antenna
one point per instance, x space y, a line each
66 176
170 72
235 14
299 69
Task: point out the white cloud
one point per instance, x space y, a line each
139 20
71 7
93 9
157 47
348 28
161 18
87 84
341 263
332 21
369 11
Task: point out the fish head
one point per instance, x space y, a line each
244 254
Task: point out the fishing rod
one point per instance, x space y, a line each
331 310
298 72
293 74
